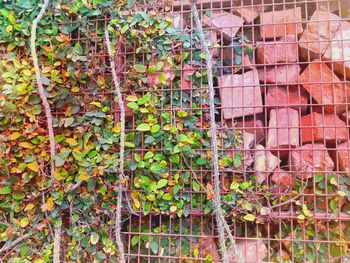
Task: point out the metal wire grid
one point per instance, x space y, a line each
198 226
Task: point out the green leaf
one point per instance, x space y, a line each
161 183
155 128
129 144
94 237
195 186
148 155
154 247
175 158
167 196
140 68
162 78
143 127
249 217
134 241
149 139
133 105
318 178
201 161
155 168
58 161
5 190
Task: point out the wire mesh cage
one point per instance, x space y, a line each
281 70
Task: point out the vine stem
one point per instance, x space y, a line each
118 213
47 109
221 222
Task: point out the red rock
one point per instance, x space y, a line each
343 156
250 124
249 14
224 22
309 159
186 77
282 177
264 163
283 129
294 97
324 87
277 52
338 52
251 251
283 75
317 127
240 94
317 35
280 23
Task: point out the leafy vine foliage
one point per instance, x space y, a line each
168 158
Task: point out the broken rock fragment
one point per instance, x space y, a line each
316 37
317 127
285 50
224 22
338 52
283 129
276 24
282 96
343 156
251 251
282 178
240 94
309 159
282 74
324 87
264 163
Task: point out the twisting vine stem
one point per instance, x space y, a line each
41 91
118 213
221 222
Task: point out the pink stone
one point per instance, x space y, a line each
240 94
283 129
270 53
224 22
283 75
324 87
282 96
250 250
264 163
254 125
317 35
309 159
249 14
338 52
280 23
317 127
282 177
343 156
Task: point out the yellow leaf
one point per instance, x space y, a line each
137 203
249 217
50 203
132 98
24 222
300 217
27 72
29 207
72 142
15 135
58 175
195 252
116 128
84 176
306 211
33 166
341 193
26 145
